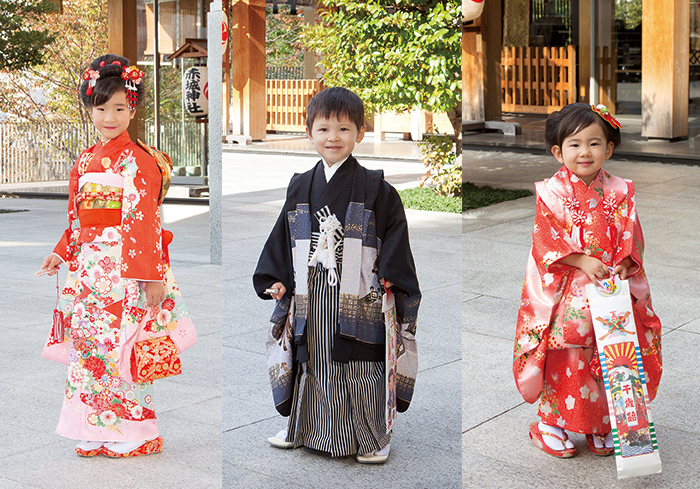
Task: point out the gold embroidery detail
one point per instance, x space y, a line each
97 196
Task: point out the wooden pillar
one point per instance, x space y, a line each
121 40
665 68
248 89
584 51
481 65
310 57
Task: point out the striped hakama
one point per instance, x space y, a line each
338 407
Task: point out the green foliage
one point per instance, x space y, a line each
170 96
425 199
474 197
396 55
22 43
630 11
283 46
444 173
80 36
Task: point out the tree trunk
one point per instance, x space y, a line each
455 116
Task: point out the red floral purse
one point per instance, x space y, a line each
155 358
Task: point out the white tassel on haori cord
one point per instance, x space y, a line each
325 249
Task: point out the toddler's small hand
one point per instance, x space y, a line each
622 269
593 268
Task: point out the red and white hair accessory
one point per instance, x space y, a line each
133 77
603 111
91 77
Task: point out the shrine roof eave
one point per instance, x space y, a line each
193 48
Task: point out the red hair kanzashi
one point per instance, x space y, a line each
603 112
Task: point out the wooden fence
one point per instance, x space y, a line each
46 151
287 101
182 141
538 80
41 151
284 73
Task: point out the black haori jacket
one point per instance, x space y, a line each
375 245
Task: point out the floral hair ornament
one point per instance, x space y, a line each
603 111
133 77
91 77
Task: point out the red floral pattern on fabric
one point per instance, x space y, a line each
554 352
140 226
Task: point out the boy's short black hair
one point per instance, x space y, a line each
338 102
109 82
573 118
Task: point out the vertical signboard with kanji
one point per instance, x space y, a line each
195 91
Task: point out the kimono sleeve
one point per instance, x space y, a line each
630 238
275 262
141 227
550 241
395 260
66 246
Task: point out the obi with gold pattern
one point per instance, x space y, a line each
99 199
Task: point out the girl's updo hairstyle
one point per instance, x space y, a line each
573 118
109 82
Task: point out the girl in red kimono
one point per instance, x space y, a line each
119 276
585 228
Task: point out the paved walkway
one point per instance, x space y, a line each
188 406
634 146
425 447
496 450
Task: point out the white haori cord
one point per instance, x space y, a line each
325 249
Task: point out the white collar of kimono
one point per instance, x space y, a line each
111 179
330 171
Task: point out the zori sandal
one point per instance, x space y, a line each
536 437
117 450
601 451
89 448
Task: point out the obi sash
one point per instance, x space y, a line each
99 200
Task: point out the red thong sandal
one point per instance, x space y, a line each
536 437
89 448
600 451
149 447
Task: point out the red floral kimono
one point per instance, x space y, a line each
114 243
555 358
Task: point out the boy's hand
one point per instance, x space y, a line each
49 266
623 267
155 293
281 290
386 283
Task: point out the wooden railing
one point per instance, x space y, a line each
46 151
537 80
41 151
182 141
287 101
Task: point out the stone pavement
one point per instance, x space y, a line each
188 406
425 446
634 146
496 450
